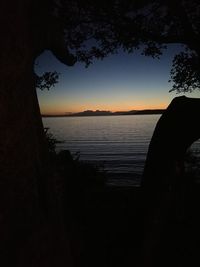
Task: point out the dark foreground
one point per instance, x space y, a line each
109 227
88 224
105 228
110 230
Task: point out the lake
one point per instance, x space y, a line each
118 144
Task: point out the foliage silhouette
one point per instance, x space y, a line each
98 29
133 24
46 80
84 30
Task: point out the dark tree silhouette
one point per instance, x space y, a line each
148 25
73 31
46 80
27 28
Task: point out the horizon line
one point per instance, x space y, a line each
101 111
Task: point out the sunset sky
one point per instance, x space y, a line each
120 82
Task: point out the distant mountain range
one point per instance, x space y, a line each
109 113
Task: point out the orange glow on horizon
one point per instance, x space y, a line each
62 109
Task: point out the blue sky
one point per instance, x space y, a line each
119 82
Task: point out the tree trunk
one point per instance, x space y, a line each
23 150
22 143
164 182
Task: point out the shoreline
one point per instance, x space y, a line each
139 112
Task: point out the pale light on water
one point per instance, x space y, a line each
120 143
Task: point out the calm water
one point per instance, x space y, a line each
118 143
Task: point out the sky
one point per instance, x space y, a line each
120 82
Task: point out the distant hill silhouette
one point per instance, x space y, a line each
109 113
93 113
